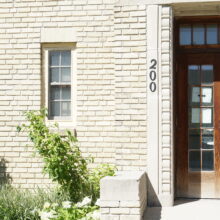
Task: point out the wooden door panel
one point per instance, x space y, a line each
181 138
197 183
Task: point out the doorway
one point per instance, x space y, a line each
197 103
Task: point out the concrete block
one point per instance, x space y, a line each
130 217
119 211
124 187
52 35
110 217
110 204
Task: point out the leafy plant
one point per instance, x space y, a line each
62 158
69 211
20 204
95 176
39 204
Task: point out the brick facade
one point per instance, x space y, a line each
112 41
111 81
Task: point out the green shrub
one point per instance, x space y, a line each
63 160
95 176
69 211
20 204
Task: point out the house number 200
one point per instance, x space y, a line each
153 75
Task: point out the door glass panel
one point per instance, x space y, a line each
207 96
207 160
193 75
198 34
207 139
200 141
195 117
207 74
195 96
194 139
212 34
207 118
185 35
194 160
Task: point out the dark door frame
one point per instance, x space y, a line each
187 50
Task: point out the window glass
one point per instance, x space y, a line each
55 92
198 34
207 160
66 93
55 108
65 108
194 96
207 74
185 35
65 58
193 75
195 117
207 117
54 74
207 139
207 98
194 160
54 58
65 74
60 83
194 139
212 34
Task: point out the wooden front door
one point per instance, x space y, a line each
197 123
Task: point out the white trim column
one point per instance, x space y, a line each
166 191
153 102
159 105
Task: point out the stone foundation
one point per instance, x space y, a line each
124 196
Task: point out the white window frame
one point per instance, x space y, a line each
69 122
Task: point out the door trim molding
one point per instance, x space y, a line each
160 106
153 102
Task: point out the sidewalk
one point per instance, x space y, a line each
204 209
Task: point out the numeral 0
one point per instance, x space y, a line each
152 75
153 86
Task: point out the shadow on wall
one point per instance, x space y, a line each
5 178
153 210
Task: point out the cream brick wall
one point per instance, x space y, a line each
111 78
166 109
130 86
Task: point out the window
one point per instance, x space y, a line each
199 34
60 83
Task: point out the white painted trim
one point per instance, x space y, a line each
69 123
160 101
166 195
172 109
152 102
156 23
58 35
